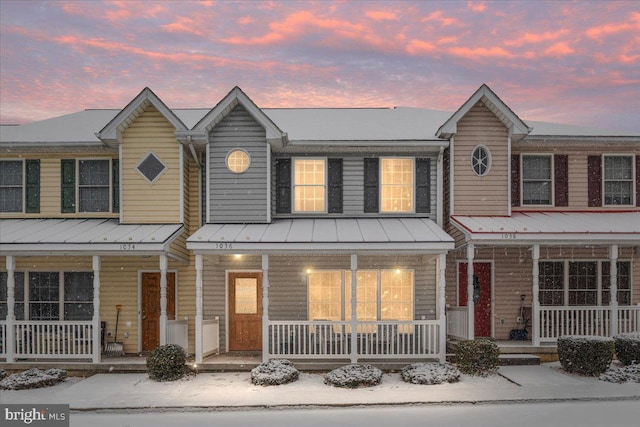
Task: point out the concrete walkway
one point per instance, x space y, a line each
234 390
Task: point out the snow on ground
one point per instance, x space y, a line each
234 389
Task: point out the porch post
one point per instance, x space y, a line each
265 308
10 341
442 267
613 301
96 338
535 322
354 308
163 299
470 303
199 356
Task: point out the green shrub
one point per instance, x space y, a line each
587 355
354 376
477 357
274 372
430 373
628 348
166 363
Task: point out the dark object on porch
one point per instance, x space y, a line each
115 348
477 357
586 355
167 363
518 335
524 318
628 348
103 330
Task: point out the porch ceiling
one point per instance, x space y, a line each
29 237
341 235
558 228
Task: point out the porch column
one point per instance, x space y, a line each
613 301
10 338
265 308
442 268
96 338
199 264
535 310
163 299
470 303
354 308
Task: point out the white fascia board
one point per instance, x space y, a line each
137 249
435 143
553 239
225 247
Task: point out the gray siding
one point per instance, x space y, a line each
238 197
353 186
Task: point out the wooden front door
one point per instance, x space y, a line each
245 311
482 295
151 307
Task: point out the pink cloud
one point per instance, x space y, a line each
437 16
559 49
245 20
379 15
601 31
419 47
477 6
531 38
182 24
480 52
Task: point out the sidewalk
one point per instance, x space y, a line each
234 390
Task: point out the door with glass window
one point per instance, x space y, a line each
245 311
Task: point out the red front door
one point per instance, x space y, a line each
482 295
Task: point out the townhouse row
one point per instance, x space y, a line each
312 233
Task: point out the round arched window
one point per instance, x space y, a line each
238 161
481 160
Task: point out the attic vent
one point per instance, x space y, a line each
151 167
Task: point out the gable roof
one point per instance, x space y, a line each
229 102
495 104
111 132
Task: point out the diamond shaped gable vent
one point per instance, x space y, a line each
151 167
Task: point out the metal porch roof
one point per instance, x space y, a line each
84 236
341 235
552 227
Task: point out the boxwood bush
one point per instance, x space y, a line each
274 372
477 357
586 355
167 363
354 376
628 348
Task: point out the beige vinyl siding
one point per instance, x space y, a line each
513 277
50 185
487 195
288 282
143 202
578 172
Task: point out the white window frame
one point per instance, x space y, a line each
381 185
110 184
23 185
551 180
233 151
294 185
489 160
633 178
347 285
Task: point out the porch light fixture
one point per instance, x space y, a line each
237 256
398 271
308 271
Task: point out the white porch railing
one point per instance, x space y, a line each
629 319
178 333
457 323
55 339
374 339
210 336
3 338
577 320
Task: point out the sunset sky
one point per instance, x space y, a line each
566 62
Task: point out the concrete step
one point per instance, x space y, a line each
518 359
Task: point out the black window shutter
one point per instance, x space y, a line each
371 171
561 177
115 185
335 185
594 180
68 172
283 186
515 180
33 186
638 181
423 185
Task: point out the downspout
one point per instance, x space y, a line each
440 189
193 151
